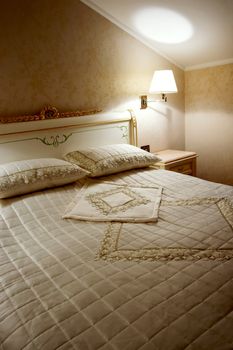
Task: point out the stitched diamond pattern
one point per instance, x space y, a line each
67 300
116 200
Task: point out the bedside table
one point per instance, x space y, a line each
180 161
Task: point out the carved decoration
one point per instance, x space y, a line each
125 132
48 112
54 141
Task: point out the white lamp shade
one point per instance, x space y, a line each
163 81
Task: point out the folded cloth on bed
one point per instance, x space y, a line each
105 201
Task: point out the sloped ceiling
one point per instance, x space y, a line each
190 33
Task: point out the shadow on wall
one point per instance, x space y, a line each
166 114
209 121
161 125
162 128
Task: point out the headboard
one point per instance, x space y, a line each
56 137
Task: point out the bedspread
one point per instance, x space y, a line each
168 285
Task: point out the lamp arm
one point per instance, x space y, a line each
144 100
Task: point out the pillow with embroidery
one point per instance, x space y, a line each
31 175
111 159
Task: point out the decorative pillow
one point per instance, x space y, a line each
111 159
36 174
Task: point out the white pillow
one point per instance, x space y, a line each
30 175
111 159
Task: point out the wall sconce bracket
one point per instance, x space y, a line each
144 100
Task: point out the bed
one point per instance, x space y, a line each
165 284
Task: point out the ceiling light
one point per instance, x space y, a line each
163 25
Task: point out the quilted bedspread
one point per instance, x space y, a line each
166 285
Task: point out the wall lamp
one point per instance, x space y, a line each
163 82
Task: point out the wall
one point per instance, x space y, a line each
61 52
209 121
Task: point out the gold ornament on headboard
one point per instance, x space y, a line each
48 112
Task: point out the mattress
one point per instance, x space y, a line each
69 284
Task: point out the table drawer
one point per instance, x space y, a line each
185 168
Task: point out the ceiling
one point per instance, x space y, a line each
190 33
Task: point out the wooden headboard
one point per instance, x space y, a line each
56 137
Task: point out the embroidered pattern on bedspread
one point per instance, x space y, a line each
126 199
54 295
106 201
119 241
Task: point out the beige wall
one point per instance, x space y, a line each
61 52
209 121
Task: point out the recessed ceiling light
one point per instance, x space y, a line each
163 25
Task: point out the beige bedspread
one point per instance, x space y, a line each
91 285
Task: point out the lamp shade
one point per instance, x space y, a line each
163 81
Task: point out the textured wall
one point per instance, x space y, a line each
61 52
209 121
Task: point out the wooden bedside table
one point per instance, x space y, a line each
180 161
